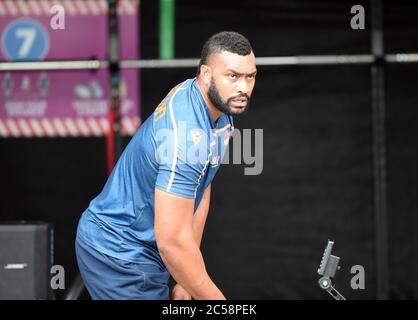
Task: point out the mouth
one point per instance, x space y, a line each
239 102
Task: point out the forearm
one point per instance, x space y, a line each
185 263
198 225
197 233
178 233
199 218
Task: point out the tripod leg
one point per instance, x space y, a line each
76 289
335 294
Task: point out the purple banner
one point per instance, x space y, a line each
64 103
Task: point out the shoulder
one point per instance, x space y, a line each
172 107
180 94
182 106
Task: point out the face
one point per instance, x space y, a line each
232 80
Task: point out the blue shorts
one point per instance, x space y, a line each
109 278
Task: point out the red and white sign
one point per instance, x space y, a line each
65 103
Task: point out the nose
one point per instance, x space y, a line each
242 86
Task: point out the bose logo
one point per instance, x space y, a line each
15 266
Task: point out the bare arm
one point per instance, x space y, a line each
199 220
177 237
200 216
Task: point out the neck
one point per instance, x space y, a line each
213 111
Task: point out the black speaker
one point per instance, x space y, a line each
26 258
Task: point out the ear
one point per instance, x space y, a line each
206 73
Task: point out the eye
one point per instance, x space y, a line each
232 75
251 76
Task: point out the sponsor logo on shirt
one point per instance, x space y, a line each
215 161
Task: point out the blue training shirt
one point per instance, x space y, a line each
178 149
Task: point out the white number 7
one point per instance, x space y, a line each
28 36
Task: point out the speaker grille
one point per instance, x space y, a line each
26 256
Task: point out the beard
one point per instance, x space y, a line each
225 106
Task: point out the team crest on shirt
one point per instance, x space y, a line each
196 137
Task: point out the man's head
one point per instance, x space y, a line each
227 67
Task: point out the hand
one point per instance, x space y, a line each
179 293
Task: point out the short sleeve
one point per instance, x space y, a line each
183 156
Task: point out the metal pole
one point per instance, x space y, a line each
76 289
319 60
379 150
114 137
167 28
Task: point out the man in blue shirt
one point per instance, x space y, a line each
147 222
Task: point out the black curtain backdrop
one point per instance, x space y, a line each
265 234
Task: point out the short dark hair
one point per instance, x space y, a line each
224 41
